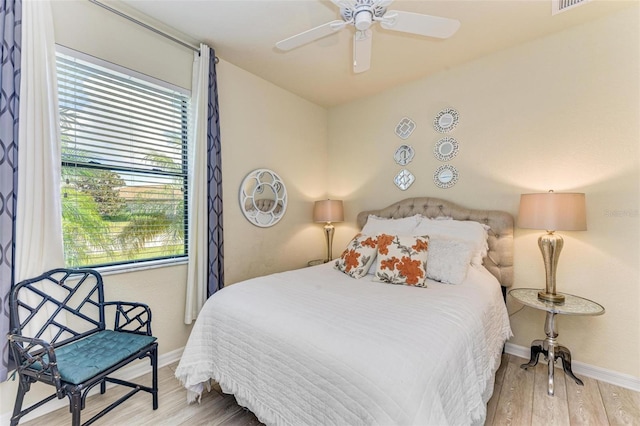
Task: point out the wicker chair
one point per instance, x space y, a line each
59 337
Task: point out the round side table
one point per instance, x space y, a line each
549 347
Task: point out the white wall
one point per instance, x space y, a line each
262 126
558 113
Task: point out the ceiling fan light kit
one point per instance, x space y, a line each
362 15
363 21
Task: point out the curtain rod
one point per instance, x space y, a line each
148 27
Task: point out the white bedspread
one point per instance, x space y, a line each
315 347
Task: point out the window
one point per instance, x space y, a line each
124 165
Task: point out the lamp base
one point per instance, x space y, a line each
328 233
551 297
550 245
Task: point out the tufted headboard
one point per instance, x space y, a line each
499 259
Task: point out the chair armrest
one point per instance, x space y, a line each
38 357
131 317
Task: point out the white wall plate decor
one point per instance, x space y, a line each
263 198
445 176
445 149
404 179
446 120
405 127
404 154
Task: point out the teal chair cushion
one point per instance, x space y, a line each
85 358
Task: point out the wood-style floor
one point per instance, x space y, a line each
519 398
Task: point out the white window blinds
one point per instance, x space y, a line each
124 166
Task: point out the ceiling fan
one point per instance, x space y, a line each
363 14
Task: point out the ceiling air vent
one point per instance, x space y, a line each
558 6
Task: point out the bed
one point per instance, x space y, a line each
316 346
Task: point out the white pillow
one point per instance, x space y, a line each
448 259
466 230
404 226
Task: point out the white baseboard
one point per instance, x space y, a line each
613 377
127 373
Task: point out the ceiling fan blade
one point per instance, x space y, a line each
362 51
416 23
311 35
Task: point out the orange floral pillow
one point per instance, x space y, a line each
356 260
402 260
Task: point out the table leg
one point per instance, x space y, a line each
550 348
551 355
536 349
551 344
565 355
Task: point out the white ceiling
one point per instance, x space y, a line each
244 33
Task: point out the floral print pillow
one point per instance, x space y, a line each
402 260
358 257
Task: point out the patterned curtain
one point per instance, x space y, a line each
10 31
214 184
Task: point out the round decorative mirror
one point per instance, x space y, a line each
263 198
446 120
445 176
445 149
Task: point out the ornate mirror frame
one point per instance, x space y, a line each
263 197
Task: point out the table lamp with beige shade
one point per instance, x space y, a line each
328 211
552 211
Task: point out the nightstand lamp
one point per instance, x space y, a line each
552 211
328 211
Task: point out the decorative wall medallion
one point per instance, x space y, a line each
445 176
404 179
405 127
263 198
446 120
445 149
404 154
